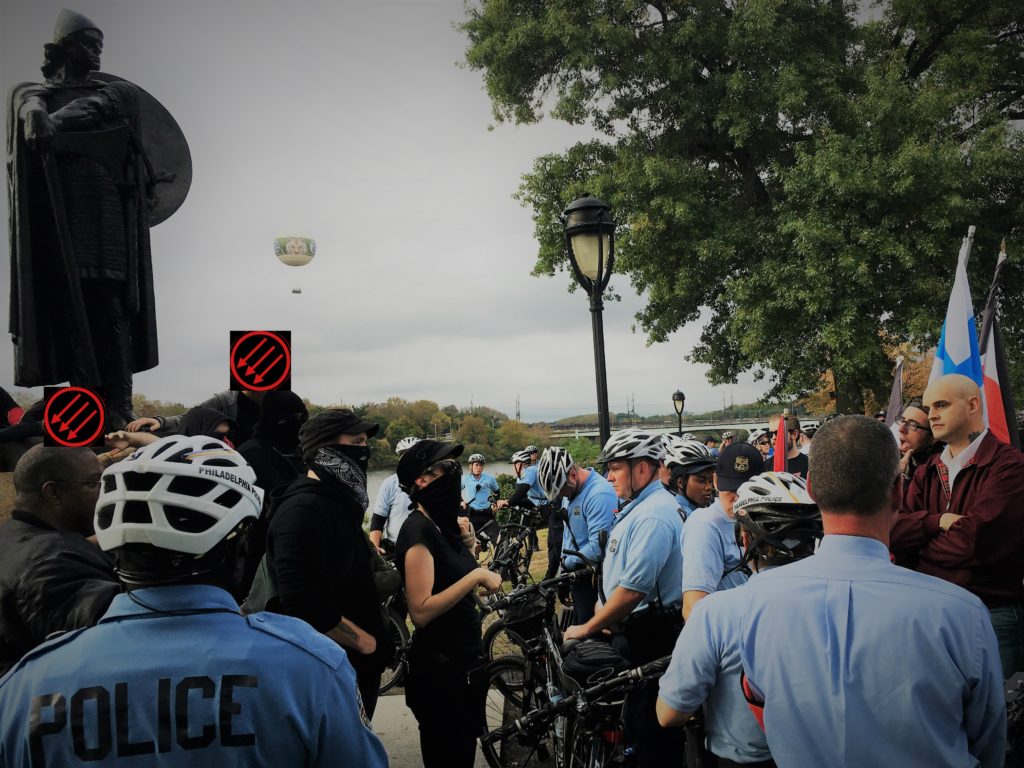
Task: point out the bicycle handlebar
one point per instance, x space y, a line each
580 701
521 592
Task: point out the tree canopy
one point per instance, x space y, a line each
798 173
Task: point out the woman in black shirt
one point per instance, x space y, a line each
443 688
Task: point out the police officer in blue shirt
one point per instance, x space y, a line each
689 473
391 508
477 490
588 504
780 524
711 554
173 673
641 583
860 662
529 493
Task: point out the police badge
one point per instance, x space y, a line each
742 464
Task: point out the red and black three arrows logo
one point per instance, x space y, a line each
261 360
73 417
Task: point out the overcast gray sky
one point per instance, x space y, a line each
351 122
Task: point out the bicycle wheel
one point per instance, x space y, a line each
510 695
394 672
592 747
499 641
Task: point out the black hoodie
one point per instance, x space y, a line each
319 559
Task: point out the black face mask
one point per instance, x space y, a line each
284 434
357 454
442 499
344 467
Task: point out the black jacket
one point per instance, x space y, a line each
49 582
319 560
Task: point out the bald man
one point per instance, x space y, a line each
963 516
53 578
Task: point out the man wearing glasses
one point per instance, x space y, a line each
53 578
917 444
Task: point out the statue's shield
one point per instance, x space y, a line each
167 150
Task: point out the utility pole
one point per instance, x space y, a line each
517 408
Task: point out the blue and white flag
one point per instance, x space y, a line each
958 346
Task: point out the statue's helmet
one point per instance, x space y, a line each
69 22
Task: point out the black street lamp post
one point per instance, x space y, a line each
679 402
590 240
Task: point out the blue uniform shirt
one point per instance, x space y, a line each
686 505
202 689
476 491
643 548
710 551
536 493
393 505
863 663
592 511
706 669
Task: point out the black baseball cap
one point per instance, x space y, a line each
324 428
421 457
737 463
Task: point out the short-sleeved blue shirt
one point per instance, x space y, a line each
536 493
182 677
863 663
705 670
476 491
393 505
592 511
643 548
711 556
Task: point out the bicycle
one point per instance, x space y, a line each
394 610
512 550
517 684
596 739
523 613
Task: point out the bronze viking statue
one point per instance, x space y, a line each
84 192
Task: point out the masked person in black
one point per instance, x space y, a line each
445 687
273 454
318 557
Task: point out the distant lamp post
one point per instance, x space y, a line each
679 402
590 241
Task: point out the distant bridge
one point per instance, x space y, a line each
700 428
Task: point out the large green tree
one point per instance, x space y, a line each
799 173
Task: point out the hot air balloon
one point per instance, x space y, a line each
295 252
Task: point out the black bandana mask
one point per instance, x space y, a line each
344 466
442 499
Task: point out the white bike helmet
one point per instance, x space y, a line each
778 512
180 494
405 444
689 436
632 444
690 455
755 434
521 457
477 457
553 470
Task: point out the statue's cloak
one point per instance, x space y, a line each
39 314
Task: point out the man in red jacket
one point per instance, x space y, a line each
963 517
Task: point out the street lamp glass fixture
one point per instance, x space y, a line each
678 401
590 235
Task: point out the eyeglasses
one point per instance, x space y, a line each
443 467
913 426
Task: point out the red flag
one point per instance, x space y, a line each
1000 413
781 446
